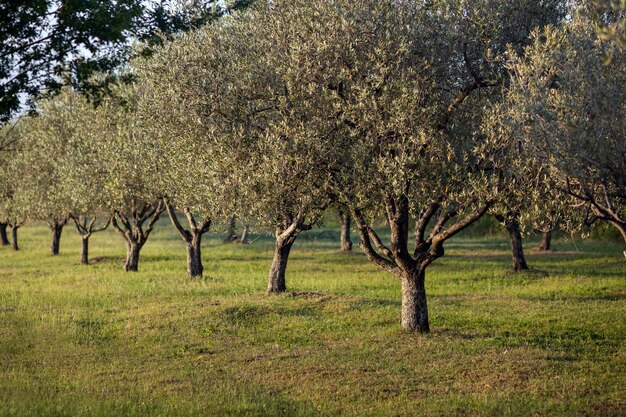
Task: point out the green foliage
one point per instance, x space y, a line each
46 44
565 106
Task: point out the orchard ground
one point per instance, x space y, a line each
96 341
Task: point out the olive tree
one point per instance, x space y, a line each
11 207
175 88
566 104
124 150
407 86
44 146
80 170
237 120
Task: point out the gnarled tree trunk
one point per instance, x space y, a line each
346 242
410 267
194 257
192 238
14 237
286 235
546 240
132 256
56 227
519 261
4 239
85 226
84 252
130 228
515 237
414 306
276 280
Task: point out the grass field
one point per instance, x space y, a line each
95 341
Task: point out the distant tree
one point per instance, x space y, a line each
11 213
125 158
193 177
80 170
45 44
44 145
566 105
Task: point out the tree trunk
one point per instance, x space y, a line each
276 280
14 236
414 307
546 240
194 257
346 242
231 234
244 234
4 239
132 257
57 229
84 253
519 262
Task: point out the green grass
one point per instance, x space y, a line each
95 341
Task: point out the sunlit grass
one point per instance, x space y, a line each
95 341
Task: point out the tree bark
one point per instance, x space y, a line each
546 240
194 257
130 227
276 280
414 306
231 234
14 237
244 234
517 250
84 253
346 242
57 228
515 236
4 239
132 257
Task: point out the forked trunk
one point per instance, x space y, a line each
517 250
132 257
4 239
276 280
546 240
84 253
414 306
14 237
346 242
55 244
194 257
